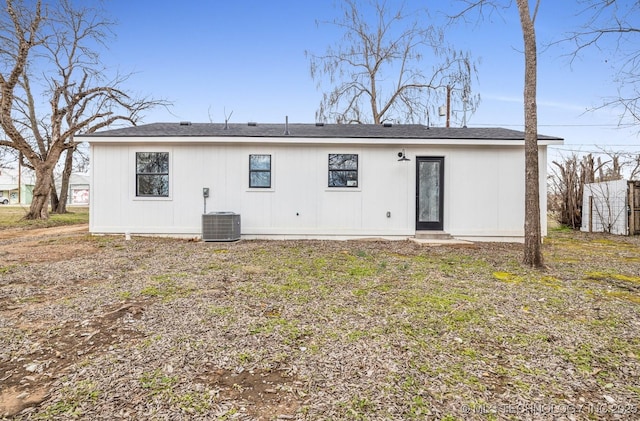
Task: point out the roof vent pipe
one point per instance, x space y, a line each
226 120
286 126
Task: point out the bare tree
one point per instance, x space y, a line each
53 86
565 192
613 28
532 230
377 72
613 167
635 172
567 179
7 156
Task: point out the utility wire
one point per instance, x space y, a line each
617 126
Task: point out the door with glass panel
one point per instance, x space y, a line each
429 193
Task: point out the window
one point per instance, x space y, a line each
152 174
260 171
343 170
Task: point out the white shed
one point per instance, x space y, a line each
313 180
605 207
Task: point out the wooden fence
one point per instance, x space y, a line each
634 207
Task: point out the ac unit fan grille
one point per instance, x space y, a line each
220 226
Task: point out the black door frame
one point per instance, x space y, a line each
433 225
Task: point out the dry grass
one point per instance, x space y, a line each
172 329
12 217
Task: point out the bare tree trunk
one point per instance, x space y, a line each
41 192
532 231
600 170
635 172
53 194
44 183
64 185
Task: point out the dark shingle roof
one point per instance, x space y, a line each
372 131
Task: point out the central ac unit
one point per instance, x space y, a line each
220 226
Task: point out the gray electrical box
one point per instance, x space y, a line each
220 226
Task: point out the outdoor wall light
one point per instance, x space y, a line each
403 156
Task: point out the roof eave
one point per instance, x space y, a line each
318 141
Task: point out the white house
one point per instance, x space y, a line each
78 190
313 180
79 187
16 187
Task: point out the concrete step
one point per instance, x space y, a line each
433 235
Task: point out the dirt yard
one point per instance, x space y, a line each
153 328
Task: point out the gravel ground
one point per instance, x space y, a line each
166 329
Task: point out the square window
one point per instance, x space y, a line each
343 170
152 174
260 171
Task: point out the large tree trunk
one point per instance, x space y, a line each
532 231
63 198
53 196
44 182
41 192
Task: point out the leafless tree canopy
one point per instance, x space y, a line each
566 187
53 86
390 65
617 23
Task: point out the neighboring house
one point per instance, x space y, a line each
79 186
313 180
16 190
611 206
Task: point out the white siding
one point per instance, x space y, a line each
484 191
607 209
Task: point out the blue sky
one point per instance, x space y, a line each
211 57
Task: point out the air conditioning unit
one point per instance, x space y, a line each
220 226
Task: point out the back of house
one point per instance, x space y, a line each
323 181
